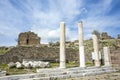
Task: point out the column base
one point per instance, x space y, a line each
97 63
82 56
107 63
62 64
83 66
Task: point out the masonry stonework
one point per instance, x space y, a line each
28 39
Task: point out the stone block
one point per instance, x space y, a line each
11 65
19 65
2 73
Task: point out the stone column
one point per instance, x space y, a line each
96 50
62 45
100 55
93 57
80 31
81 46
107 59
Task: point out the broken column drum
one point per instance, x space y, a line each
96 50
107 59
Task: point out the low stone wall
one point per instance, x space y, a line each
41 53
35 64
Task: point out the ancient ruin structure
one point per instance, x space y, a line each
104 35
107 59
28 39
96 50
60 73
81 48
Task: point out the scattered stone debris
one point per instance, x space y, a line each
2 73
29 64
11 65
19 65
35 64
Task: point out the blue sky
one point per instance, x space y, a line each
44 16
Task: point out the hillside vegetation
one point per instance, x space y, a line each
49 53
52 52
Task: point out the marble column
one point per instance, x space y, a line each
80 31
93 57
100 55
81 46
107 59
96 50
62 46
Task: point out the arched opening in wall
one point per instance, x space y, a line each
27 41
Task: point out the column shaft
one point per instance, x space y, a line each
80 31
82 56
96 50
62 45
81 46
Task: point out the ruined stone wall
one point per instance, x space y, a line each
41 53
104 35
22 40
28 39
115 57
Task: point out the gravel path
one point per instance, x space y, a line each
109 76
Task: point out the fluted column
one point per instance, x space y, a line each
107 59
62 46
96 50
81 46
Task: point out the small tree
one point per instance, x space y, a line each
51 43
57 43
97 33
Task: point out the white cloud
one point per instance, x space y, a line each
44 18
98 20
46 23
48 35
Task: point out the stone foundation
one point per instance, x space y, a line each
57 73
